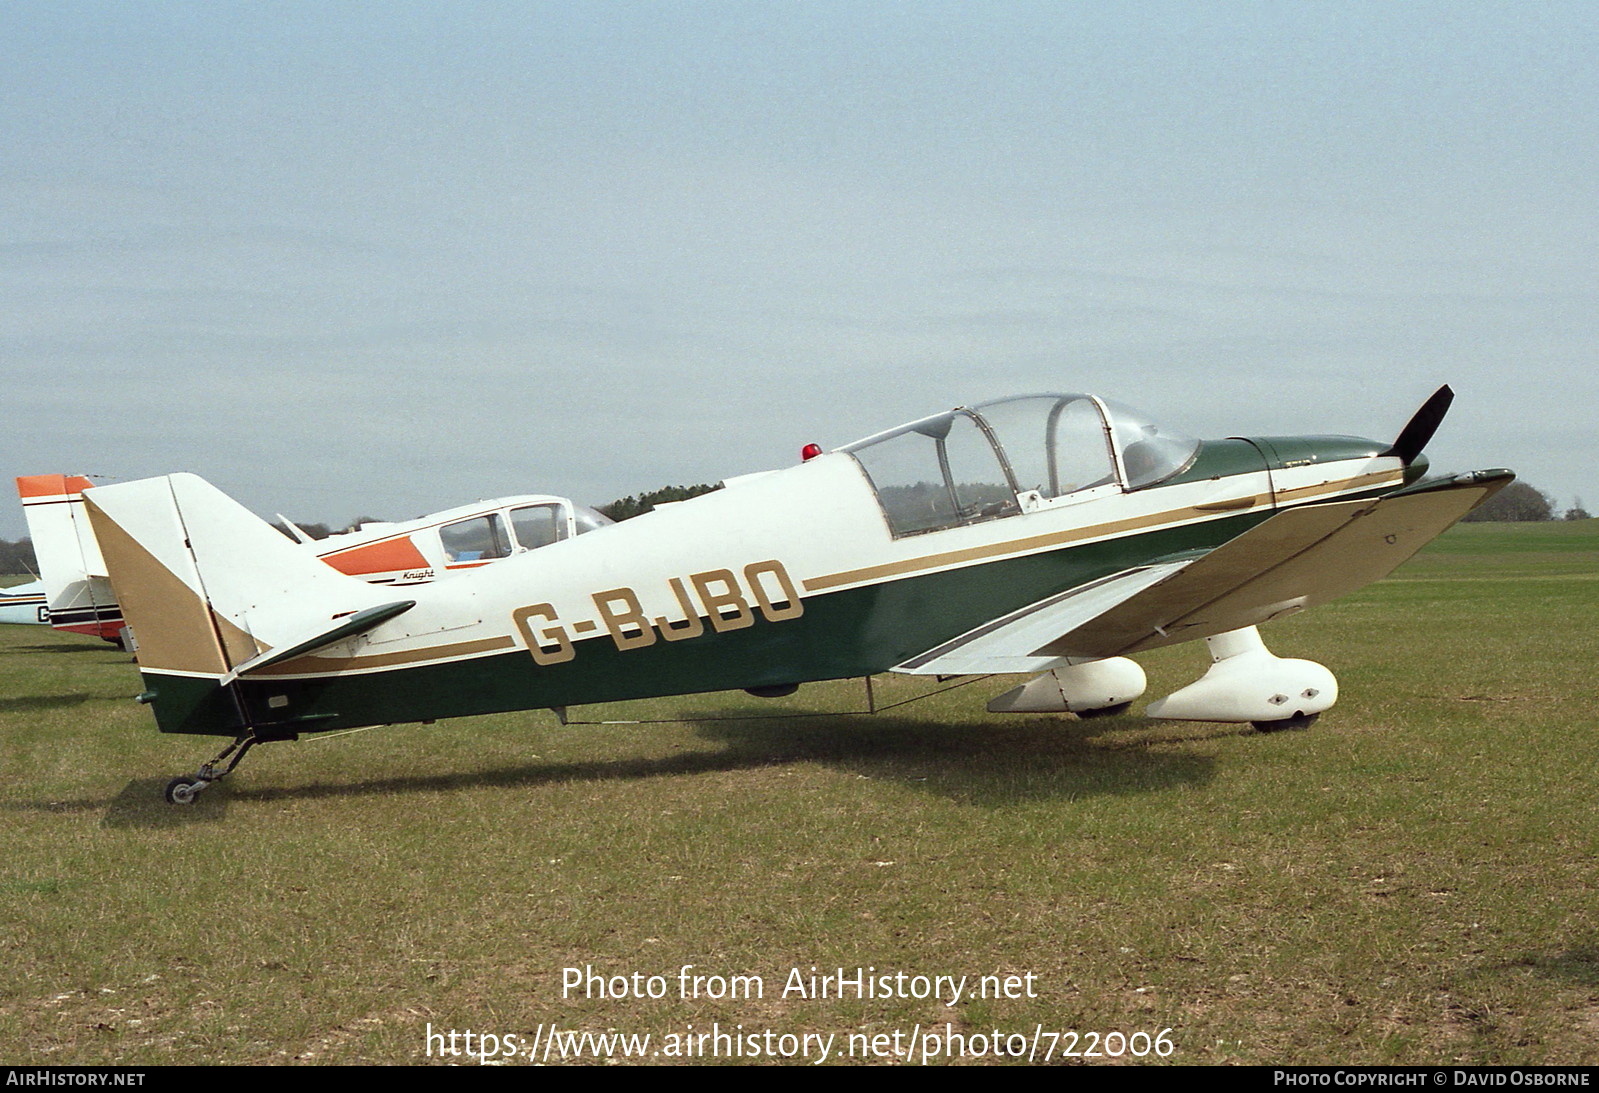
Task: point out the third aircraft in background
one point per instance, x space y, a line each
75 592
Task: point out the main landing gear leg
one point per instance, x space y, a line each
183 791
1248 682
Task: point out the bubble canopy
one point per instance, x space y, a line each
1001 458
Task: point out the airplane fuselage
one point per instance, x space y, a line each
784 577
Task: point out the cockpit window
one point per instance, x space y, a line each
936 473
537 525
982 488
480 539
1055 444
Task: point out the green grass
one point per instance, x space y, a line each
1525 551
1411 880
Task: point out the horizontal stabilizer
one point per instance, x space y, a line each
206 585
350 626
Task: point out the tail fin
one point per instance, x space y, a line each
77 594
207 586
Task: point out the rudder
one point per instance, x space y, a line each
206 586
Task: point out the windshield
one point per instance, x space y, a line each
588 519
1149 453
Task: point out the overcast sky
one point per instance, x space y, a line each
386 258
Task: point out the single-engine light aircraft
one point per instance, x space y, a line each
76 595
1052 535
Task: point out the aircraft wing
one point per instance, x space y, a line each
1298 558
1010 643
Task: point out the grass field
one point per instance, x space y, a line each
1414 879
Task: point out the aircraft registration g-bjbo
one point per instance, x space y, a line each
1052 535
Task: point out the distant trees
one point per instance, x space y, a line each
1577 512
1519 502
315 531
628 507
18 557
322 531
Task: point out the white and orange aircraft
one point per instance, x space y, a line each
77 595
24 603
1051 535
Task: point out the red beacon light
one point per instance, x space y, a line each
810 452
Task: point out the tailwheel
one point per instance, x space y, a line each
1287 724
183 791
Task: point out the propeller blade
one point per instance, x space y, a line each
1419 429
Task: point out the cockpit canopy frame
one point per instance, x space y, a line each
1014 455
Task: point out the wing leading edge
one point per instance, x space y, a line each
1297 559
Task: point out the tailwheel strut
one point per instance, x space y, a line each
183 790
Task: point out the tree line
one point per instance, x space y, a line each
1520 503
625 508
18 557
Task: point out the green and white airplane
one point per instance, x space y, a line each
1049 535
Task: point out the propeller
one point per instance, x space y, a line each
1419 429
